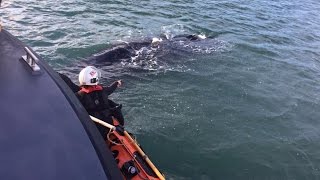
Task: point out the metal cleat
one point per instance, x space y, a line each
31 59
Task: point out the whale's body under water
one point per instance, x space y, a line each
157 53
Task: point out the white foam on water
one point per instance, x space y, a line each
155 57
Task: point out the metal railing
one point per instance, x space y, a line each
31 59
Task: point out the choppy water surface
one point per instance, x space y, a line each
244 105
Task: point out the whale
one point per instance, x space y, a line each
125 51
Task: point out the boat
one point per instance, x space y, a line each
131 159
45 131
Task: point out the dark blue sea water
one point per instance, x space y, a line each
244 105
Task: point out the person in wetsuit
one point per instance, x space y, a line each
94 97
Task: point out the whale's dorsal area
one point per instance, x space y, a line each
129 51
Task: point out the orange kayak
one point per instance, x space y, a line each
133 163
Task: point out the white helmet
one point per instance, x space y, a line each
89 76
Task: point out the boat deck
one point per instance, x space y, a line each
45 133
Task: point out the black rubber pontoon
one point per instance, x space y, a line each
45 133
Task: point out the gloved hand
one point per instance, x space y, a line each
119 83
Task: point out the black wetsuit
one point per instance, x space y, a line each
97 103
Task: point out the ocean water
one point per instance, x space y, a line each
242 104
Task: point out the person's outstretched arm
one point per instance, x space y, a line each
110 89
